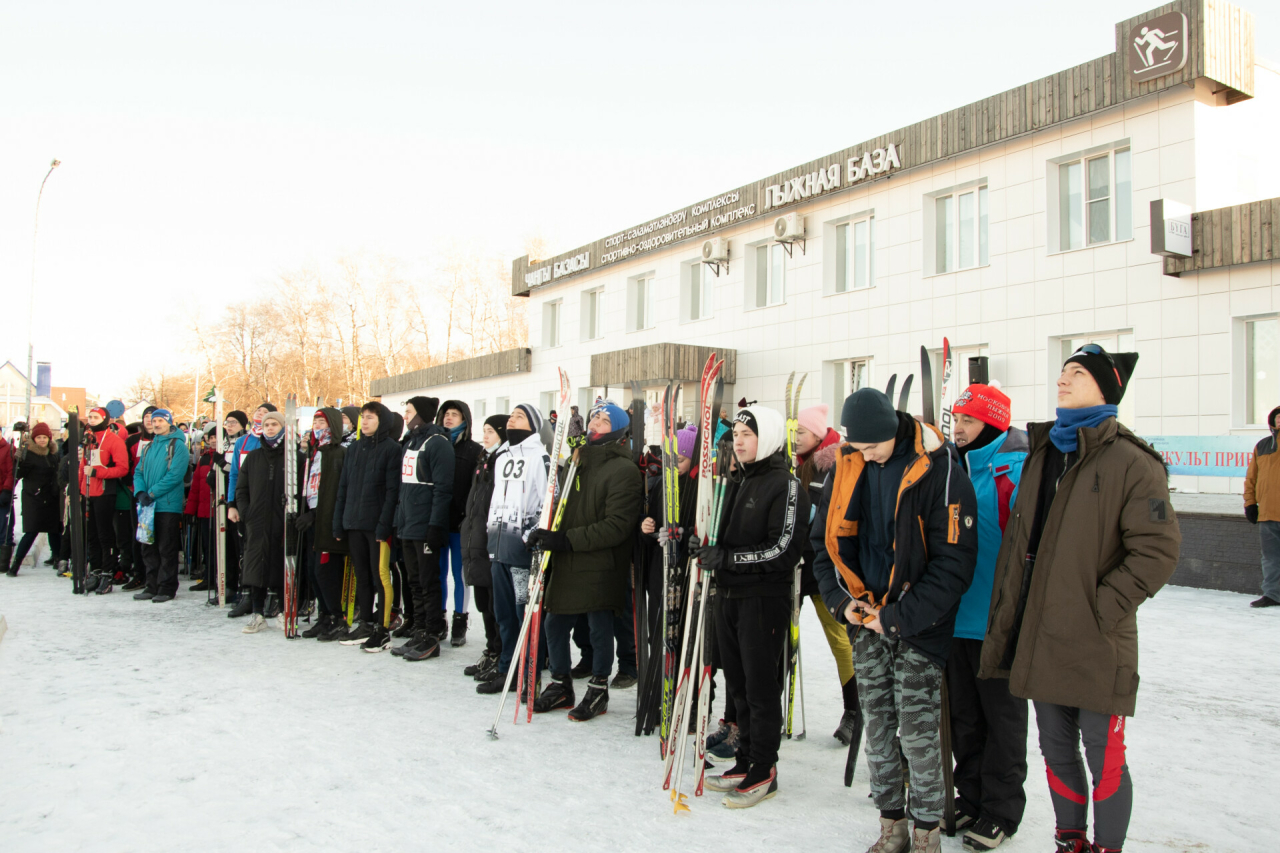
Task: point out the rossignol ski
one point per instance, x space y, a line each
289 606
795 676
948 390
537 571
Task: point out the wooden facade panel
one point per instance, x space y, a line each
480 367
658 363
1228 236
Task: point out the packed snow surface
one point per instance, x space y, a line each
130 726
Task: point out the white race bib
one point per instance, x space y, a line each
512 469
409 467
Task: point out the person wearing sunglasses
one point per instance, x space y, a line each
1093 535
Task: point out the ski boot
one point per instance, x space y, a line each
378 641
424 646
559 694
1072 841
758 786
595 703
459 631
728 780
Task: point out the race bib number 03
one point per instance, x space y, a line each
409 467
511 469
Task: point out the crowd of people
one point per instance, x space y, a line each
998 568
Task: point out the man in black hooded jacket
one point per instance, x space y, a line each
455 417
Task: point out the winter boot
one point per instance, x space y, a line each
494 685
406 629
459 631
273 605
487 659
595 703
559 694
894 837
728 780
582 670
623 680
359 632
759 785
244 608
136 582
256 624
337 630
378 641
408 645
424 647
926 840
985 834
91 581
849 724
317 628
487 673
104 585
727 748
143 596
13 573
1071 841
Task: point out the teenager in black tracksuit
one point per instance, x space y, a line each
455 418
422 523
364 514
763 527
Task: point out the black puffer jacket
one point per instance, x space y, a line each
260 502
763 527
476 565
38 470
370 482
331 456
426 482
466 452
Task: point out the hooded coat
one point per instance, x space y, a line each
601 517
476 566
426 482
1262 480
466 451
161 471
38 471
328 461
1064 625
260 501
369 486
519 487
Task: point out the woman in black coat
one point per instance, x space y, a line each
260 500
38 469
476 566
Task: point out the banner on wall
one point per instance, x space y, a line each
1205 455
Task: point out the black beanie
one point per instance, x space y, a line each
747 419
499 425
868 417
241 417
270 407
425 407
1110 370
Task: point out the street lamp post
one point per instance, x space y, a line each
31 305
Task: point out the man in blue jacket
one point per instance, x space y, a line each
988 723
157 481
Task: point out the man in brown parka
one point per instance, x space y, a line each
1092 536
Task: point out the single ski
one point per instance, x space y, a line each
289 606
905 396
219 502
851 760
893 381
926 387
792 660
76 508
948 391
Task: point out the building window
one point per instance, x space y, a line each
847 376
695 291
1095 199
960 230
502 406
768 275
551 323
855 255
592 314
479 411
640 303
1261 369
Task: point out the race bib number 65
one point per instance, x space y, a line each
409 467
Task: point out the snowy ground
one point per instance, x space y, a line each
140 727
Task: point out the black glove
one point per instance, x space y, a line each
6 496
304 521
1251 513
145 499
382 533
710 557
437 539
550 540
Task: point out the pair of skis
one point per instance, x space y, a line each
525 657
710 501
792 651
289 605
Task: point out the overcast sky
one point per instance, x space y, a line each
207 148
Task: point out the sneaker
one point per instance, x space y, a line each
595 703
727 748
51 561
756 788
256 624
91 582
488 672
337 630
105 585
161 599
559 694
143 596
458 632
405 630
1071 841
424 648
623 680
244 608
317 628
894 837
487 660
926 840
1265 601
359 632
494 684
582 670
985 834
378 641
725 782
134 583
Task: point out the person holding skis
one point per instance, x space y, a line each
816 449
763 526
135 444
105 462
157 481
591 568
988 723
422 524
1094 535
521 468
477 569
321 471
364 514
260 499
895 546
1262 507
37 467
233 429
240 449
455 416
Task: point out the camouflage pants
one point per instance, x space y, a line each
899 690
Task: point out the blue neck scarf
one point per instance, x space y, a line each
457 431
1064 435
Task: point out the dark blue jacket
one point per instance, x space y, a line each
426 482
370 482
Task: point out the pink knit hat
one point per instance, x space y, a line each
814 419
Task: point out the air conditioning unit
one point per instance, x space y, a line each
715 251
788 228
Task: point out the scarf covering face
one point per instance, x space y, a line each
272 442
321 436
1064 433
257 426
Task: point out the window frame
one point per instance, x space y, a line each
773 251
635 283
588 316
979 235
553 331
838 383
1119 206
689 270
1244 391
846 254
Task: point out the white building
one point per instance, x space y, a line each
1017 227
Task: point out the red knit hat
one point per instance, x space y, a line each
40 429
987 403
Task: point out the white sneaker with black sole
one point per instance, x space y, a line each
379 641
